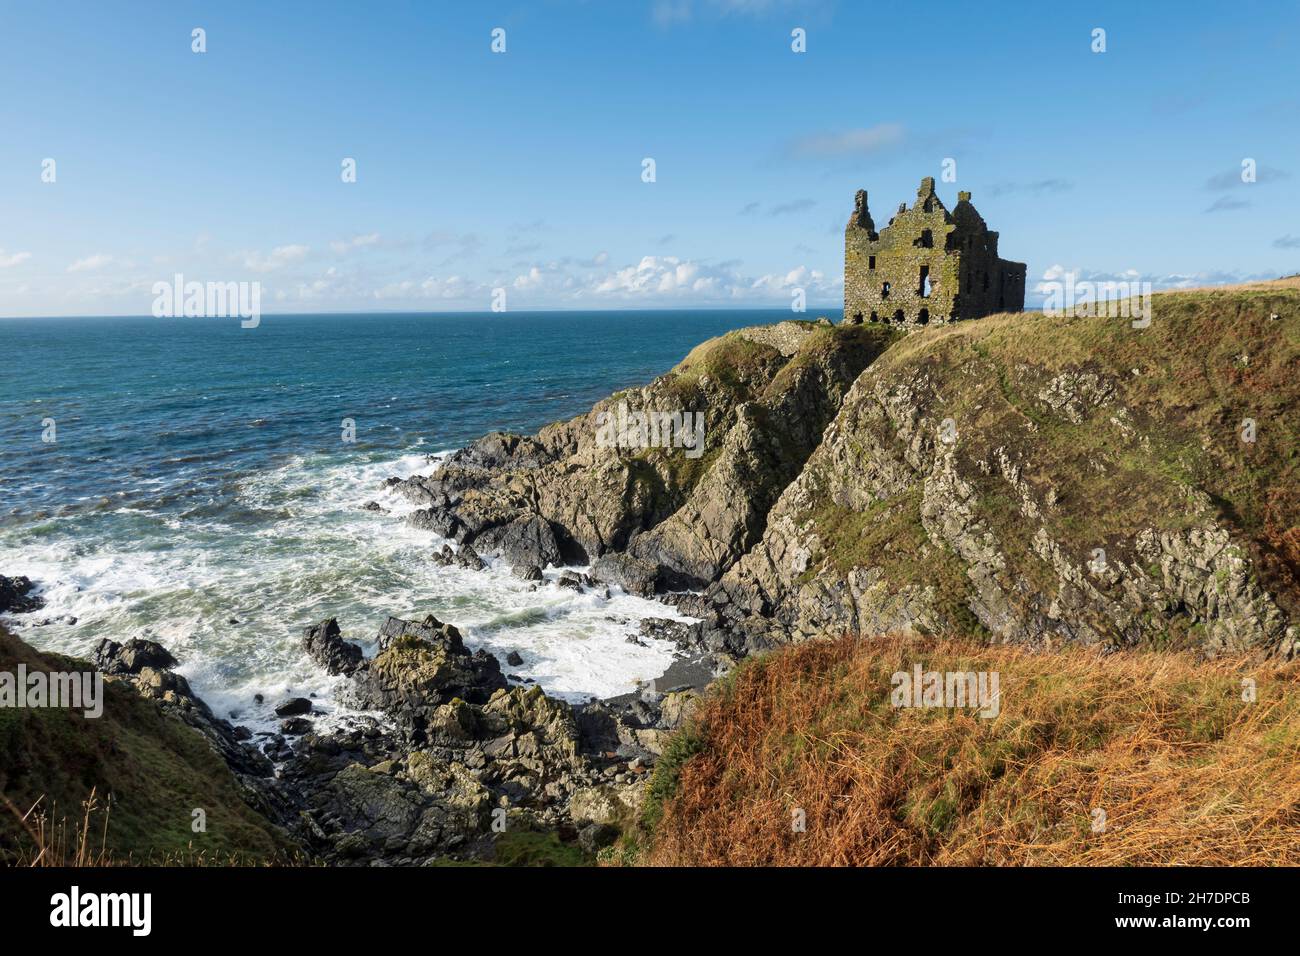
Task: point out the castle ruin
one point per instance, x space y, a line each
927 266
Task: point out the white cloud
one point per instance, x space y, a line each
90 263
278 257
670 279
452 288
356 242
6 261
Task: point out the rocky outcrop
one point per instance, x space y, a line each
571 495
16 596
458 757
1024 479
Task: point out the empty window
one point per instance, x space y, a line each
875 317
924 287
927 239
871 262
884 291
923 317
898 316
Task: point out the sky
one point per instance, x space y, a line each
525 170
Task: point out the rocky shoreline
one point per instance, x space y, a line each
455 759
845 485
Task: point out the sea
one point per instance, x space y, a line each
188 480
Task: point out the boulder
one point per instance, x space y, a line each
325 645
633 575
293 707
132 657
16 597
528 539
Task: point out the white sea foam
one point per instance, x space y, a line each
295 547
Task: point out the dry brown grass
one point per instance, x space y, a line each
1185 770
56 841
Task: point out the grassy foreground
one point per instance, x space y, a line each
118 789
1121 759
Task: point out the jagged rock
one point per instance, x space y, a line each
419 667
439 521
295 726
325 645
131 657
573 580
16 596
529 539
469 559
514 659
633 575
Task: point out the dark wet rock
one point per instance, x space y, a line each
529 539
529 572
439 521
374 506
666 629
16 596
572 580
514 659
465 557
469 559
292 707
325 645
131 657
633 575
295 726
68 619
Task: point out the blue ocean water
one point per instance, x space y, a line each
198 490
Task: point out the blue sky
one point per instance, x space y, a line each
523 170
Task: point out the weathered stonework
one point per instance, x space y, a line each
927 266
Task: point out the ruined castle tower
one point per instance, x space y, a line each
927 266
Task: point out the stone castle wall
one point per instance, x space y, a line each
885 274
